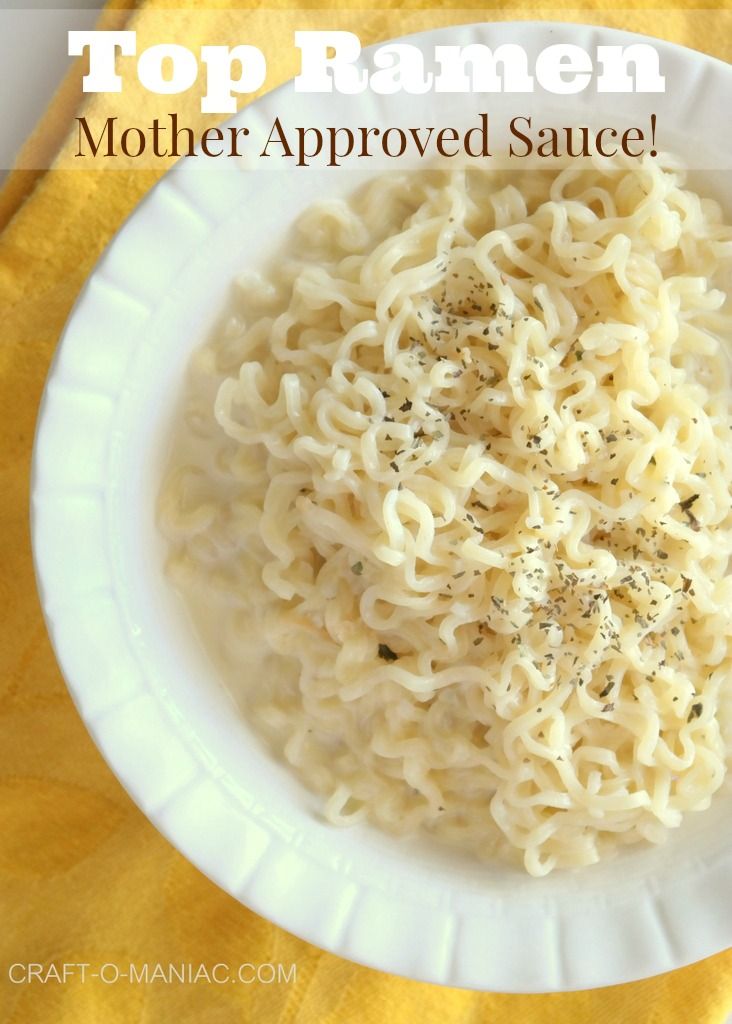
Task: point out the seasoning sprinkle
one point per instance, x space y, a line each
696 710
386 653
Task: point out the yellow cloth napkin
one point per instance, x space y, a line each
84 877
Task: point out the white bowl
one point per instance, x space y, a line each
147 691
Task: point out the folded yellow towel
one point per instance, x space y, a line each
84 877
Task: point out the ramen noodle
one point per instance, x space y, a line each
461 465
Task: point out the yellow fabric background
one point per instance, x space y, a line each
84 877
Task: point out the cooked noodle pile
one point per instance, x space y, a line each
467 475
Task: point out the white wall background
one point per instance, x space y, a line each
34 60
